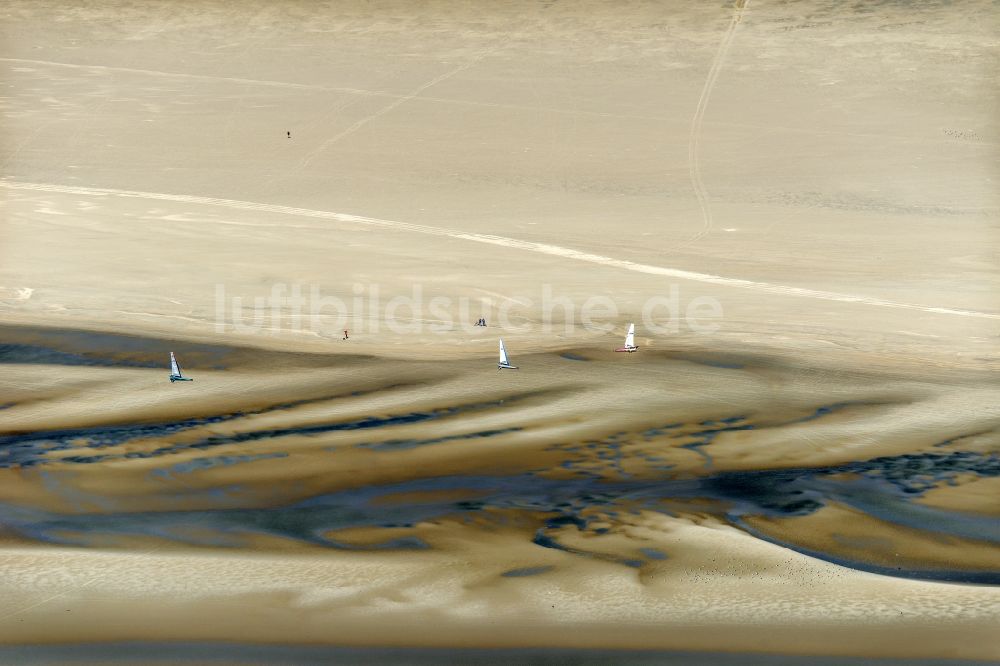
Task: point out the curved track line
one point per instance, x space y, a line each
198 77
514 107
87 583
362 92
503 241
694 142
386 109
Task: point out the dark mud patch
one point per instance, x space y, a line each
527 571
696 437
873 486
32 354
201 464
402 543
38 344
721 361
32 449
365 423
403 444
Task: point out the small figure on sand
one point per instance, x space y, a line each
481 322
345 335
289 135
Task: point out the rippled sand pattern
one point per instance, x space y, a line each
814 476
524 489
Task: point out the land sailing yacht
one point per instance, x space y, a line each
629 341
504 363
175 371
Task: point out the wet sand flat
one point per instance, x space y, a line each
704 507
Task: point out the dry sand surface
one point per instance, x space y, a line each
815 475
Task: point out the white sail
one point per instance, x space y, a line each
630 338
503 354
175 369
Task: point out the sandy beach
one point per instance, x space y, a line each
310 205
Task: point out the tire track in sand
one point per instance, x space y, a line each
694 140
503 241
